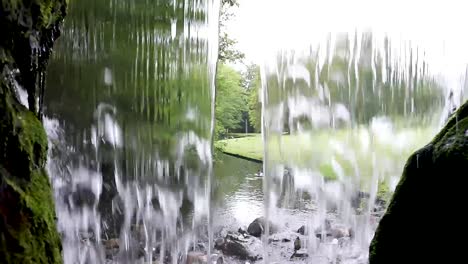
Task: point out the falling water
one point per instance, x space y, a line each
348 93
130 121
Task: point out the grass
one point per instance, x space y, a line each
337 153
249 146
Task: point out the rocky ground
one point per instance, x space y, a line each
248 245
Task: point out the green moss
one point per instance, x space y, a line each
28 231
430 192
32 137
27 224
452 123
32 237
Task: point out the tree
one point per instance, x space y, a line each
227 51
359 78
252 83
231 100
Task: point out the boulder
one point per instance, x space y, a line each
232 248
258 226
431 191
244 250
297 244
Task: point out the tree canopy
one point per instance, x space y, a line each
227 51
253 84
231 100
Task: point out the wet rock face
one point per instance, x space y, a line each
28 232
432 187
30 28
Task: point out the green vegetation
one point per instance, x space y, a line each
28 232
335 153
27 218
250 147
227 51
230 100
255 107
434 177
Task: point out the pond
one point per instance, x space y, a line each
238 196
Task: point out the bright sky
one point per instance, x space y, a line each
440 28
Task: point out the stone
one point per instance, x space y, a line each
301 230
28 231
244 250
83 196
297 244
274 239
196 258
242 231
300 254
111 247
111 243
258 226
236 249
219 243
432 188
283 237
155 204
236 237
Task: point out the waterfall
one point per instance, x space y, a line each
347 94
130 106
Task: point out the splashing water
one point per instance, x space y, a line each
130 104
346 99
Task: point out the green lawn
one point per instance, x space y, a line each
240 135
337 153
248 146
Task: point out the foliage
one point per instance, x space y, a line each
227 51
230 99
150 88
362 82
316 150
253 84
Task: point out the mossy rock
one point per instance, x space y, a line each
29 30
425 220
28 232
27 214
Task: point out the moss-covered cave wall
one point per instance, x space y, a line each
28 231
425 221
